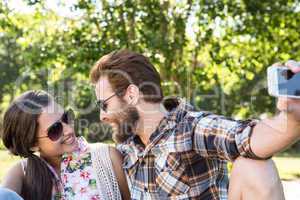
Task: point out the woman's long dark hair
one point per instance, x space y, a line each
20 125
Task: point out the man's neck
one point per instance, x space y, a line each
150 118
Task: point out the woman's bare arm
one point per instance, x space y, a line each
117 160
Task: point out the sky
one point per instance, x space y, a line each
61 7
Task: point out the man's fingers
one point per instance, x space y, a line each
278 64
293 65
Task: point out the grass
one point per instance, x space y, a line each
288 164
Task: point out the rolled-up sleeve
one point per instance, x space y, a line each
225 138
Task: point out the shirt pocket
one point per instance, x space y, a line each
171 178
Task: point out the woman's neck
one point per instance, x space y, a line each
54 162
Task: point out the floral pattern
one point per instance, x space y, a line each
77 180
77 174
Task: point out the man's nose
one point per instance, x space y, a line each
103 117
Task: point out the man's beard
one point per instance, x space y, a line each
125 123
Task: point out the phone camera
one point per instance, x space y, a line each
287 74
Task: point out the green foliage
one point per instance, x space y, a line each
2 147
214 53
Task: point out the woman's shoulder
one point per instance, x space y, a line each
14 177
100 145
115 156
108 164
108 149
19 167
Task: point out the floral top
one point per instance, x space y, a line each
78 177
86 174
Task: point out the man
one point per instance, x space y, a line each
175 152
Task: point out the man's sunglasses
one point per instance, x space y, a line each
102 104
55 131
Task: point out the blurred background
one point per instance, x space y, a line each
214 53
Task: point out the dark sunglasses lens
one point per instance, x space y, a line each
55 131
104 106
101 105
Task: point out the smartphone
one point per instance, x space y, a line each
282 82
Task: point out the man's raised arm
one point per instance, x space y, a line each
270 136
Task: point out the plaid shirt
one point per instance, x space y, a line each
186 157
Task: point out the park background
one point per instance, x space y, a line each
214 53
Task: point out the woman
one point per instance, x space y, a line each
58 165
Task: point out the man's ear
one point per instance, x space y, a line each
132 94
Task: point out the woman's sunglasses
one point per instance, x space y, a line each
55 131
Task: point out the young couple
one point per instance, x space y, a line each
166 149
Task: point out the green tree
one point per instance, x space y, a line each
214 53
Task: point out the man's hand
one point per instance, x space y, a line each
289 105
275 134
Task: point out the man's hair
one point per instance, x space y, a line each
123 68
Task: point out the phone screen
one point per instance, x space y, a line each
288 82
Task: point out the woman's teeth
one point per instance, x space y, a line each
70 140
